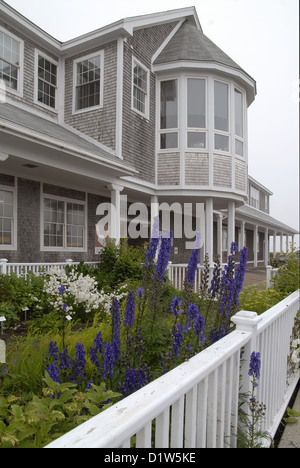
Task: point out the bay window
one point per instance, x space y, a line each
221 116
169 114
196 113
239 122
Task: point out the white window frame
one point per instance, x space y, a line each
36 80
197 129
222 132
254 197
20 78
169 130
13 245
147 92
64 248
100 54
237 137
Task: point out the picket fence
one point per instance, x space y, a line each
196 405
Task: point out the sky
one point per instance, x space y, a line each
262 36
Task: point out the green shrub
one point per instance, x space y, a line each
257 300
287 279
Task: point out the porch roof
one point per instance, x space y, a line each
31 125
254 216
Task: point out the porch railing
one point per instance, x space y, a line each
23 268
196 404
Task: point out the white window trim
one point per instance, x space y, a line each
221 132
19 91
237 137
169 130
12 189
75 62
146 114
65 200
196 129
37 53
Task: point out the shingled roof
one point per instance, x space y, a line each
190 44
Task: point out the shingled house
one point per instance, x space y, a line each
146 107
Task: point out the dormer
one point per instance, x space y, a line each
258 195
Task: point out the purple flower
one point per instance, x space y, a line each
193 262
65 361
53 350
53 372
108 360
79 363
240 273
130 382
152 247
129 310
140 292
175 304
255 364
61 289
163 256
115 326
177 342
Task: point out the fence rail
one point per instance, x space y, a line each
196 404
24 268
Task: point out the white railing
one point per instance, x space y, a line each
23 268
177 275
196 404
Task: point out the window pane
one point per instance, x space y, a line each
238 113
221 106
169 140
88 83
6 217
47 77
239 148
196 140
168 104
196 103
221 142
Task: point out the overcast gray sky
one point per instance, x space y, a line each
262 36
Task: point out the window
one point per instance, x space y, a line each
47 81
169 114
239 123
64 224
10 61
221 116
6 218
254 197
140 96
88 82
196 113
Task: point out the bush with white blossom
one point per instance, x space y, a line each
79 290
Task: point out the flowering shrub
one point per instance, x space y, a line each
146 338
80 292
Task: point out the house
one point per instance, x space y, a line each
146 110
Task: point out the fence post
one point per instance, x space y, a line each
3 262
247 321
268 276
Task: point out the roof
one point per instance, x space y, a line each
62 135
251 214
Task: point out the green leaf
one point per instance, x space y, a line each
293 413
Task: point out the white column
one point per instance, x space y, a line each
243 235
287 243
266 254
219 236
209 228
230 225
274 244
255 236
281 242
116 212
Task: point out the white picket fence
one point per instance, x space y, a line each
196 404
37 268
